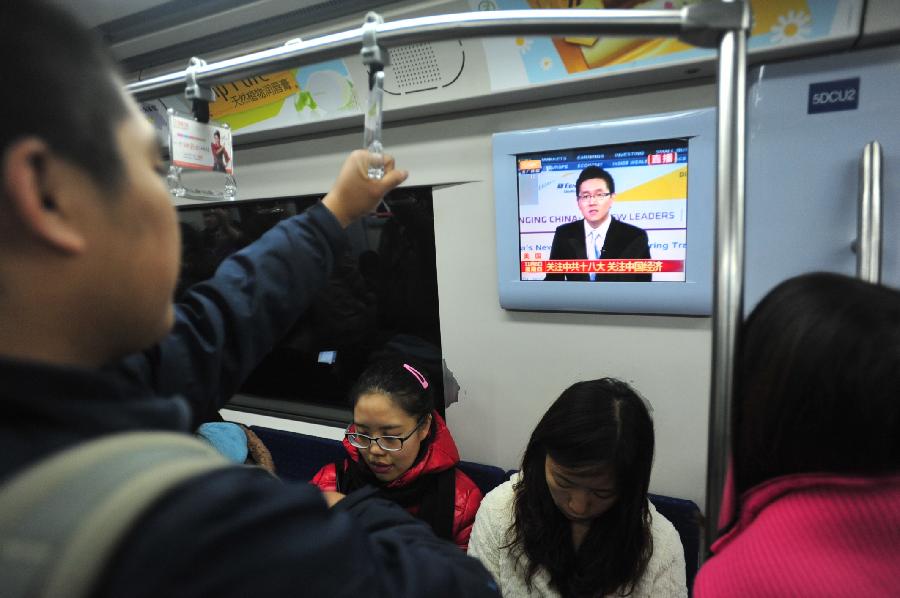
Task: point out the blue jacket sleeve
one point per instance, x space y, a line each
239 533
225 326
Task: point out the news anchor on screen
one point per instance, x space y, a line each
598 235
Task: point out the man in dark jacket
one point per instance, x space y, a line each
91 345
598 235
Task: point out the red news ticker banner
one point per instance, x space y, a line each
600 266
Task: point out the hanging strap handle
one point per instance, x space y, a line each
197 94
375 60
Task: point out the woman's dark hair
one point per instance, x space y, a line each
598 425
216 134
66 88
402 380
818 381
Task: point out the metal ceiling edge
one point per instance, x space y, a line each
267 27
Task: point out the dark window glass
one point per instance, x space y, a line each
380 299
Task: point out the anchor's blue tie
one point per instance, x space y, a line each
598 251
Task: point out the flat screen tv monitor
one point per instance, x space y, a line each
614 216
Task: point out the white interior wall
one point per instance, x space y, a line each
512 365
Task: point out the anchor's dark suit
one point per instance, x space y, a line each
623 241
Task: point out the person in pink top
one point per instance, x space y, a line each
812 507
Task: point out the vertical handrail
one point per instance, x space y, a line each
729 265
868 224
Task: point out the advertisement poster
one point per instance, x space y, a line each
200 146
245 95
307 94
520 61
275 100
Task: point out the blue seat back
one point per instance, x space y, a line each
686 517
299 457
486 477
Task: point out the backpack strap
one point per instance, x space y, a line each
62 519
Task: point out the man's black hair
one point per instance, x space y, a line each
61 85
595 172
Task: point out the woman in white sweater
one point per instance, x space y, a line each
576 522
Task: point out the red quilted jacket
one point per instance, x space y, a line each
440 456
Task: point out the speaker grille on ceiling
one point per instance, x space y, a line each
415 67
423 67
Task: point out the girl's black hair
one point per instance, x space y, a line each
818 381
400 379
598 424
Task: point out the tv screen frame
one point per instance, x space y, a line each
693 296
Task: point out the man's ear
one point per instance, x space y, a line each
32 181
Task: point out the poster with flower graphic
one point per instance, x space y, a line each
520 61
319 92
312 93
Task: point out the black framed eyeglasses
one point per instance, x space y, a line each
385 443
599 196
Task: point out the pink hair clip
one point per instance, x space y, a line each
422 380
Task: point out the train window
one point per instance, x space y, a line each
380 299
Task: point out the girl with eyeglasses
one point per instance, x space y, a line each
400 444
576 521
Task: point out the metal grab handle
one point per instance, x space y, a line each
375 59
199 95
700 24
372 132
868 224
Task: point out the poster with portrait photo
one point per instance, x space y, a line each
200 146
221 150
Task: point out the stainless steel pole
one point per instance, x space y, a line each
640 23
868 225
729 264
